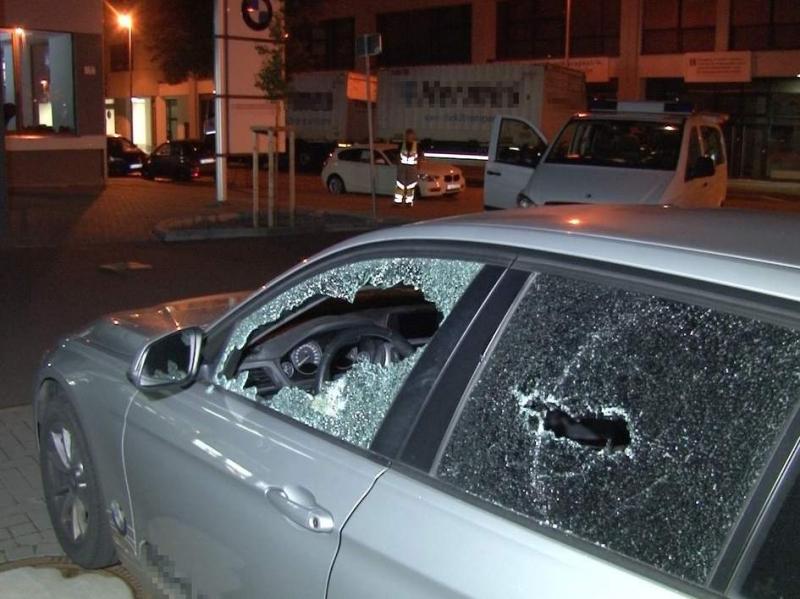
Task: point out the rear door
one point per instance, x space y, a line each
515 149
385 174
602 448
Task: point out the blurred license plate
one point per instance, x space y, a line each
451 186
206 161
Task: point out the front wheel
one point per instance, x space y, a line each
71 488
335 185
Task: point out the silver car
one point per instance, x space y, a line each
588 401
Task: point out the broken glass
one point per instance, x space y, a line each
702 395
352 406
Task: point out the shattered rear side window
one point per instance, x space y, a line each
352 406
693 400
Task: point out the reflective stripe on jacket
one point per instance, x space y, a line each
409 155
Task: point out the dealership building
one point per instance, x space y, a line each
740 57
52 75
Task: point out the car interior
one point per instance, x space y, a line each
322 340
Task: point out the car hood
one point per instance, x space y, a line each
124 333
437 168
553 183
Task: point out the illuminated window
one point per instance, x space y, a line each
38 80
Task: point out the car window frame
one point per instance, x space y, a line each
683 289
778 479
221 330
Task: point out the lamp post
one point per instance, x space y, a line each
126 22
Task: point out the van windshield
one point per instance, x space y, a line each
621 143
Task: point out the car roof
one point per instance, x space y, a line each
749 250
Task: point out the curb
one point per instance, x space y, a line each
69 569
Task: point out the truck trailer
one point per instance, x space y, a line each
327 108
452 107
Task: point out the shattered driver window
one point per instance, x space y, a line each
637 423
333 351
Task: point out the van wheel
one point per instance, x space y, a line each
336 185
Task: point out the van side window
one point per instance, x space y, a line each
712 141
519 144
694 152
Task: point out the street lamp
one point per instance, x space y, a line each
126 22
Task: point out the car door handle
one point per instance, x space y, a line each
494 173
298 505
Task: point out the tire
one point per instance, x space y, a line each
336 185
72 489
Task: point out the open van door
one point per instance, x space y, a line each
515 149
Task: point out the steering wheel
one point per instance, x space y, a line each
351 337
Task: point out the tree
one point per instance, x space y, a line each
180 35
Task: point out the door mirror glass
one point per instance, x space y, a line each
703 167
169 361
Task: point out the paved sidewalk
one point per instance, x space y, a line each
25 529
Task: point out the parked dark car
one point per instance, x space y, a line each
183 160
124 157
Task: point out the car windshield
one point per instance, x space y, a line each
620 143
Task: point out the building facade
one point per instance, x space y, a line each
139 104
52 75
741 57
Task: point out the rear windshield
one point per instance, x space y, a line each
620 143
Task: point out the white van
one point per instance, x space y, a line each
625 153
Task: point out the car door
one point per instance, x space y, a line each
592 452
385 174
514 151
241 490
714 147
159 159
696 189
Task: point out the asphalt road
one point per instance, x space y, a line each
49 292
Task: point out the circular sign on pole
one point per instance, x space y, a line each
257 14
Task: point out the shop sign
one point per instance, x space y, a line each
717 67
595 68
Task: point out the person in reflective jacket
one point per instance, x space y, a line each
407 173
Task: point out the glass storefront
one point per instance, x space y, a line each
38 80
763 131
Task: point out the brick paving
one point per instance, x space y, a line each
25 529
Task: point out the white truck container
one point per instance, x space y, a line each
326 108
451 108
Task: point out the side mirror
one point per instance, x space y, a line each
168 361
703 167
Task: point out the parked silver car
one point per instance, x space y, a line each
584 401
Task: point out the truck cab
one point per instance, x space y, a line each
619 152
